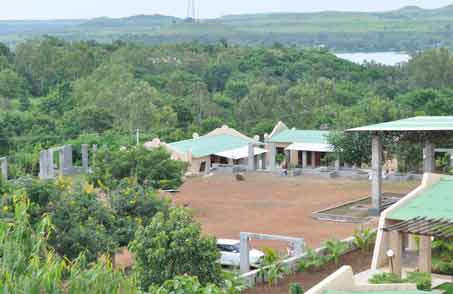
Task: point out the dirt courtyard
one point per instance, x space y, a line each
271 204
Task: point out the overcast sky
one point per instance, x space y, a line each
51 9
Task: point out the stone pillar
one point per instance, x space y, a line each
4 167
396 244
376 174
61 161
304 159
67 162
271 155
43 165
50 165
425 259
313 159
85 157
428 158
244 253
298 247
256 162
251 158
263 161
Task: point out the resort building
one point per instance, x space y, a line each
301 148
222 148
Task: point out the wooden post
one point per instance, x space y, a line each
425 258
396 244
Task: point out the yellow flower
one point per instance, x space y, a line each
88 189
5 208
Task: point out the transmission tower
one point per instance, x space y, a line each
191 9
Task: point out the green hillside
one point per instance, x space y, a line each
410 28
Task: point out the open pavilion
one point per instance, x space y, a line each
426 129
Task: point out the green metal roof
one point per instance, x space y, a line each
207 145
300 136
419 123
435 202
383 292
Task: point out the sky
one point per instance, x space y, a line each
63 9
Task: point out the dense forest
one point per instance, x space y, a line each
52 91
407 29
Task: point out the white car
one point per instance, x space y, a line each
229 250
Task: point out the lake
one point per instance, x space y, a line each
386 58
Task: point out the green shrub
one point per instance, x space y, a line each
335 249
386 278
133 206
153 168
312 261
364 239
172 245
296 288
185 285
422 280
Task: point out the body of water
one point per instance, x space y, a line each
386 58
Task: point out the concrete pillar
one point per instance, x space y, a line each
411 243
271 156
85 156
263 161
43 165
313 159
244 249
337 164
251 158
4 167
304 159
376 174
287 158
428 158
256 162
67 160
50 165
396 244
95 149
425 258
61 161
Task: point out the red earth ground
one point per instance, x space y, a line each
271 204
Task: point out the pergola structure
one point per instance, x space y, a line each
426 229
425 126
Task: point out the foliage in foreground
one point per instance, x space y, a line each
172 245
29 266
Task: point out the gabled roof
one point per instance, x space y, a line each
434 202
418 123
208 145
300 136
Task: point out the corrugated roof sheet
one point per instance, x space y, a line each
207 145
300 136
419 123
435 202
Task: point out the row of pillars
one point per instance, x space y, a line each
396 245
46 161
376 170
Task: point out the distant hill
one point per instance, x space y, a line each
409 28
